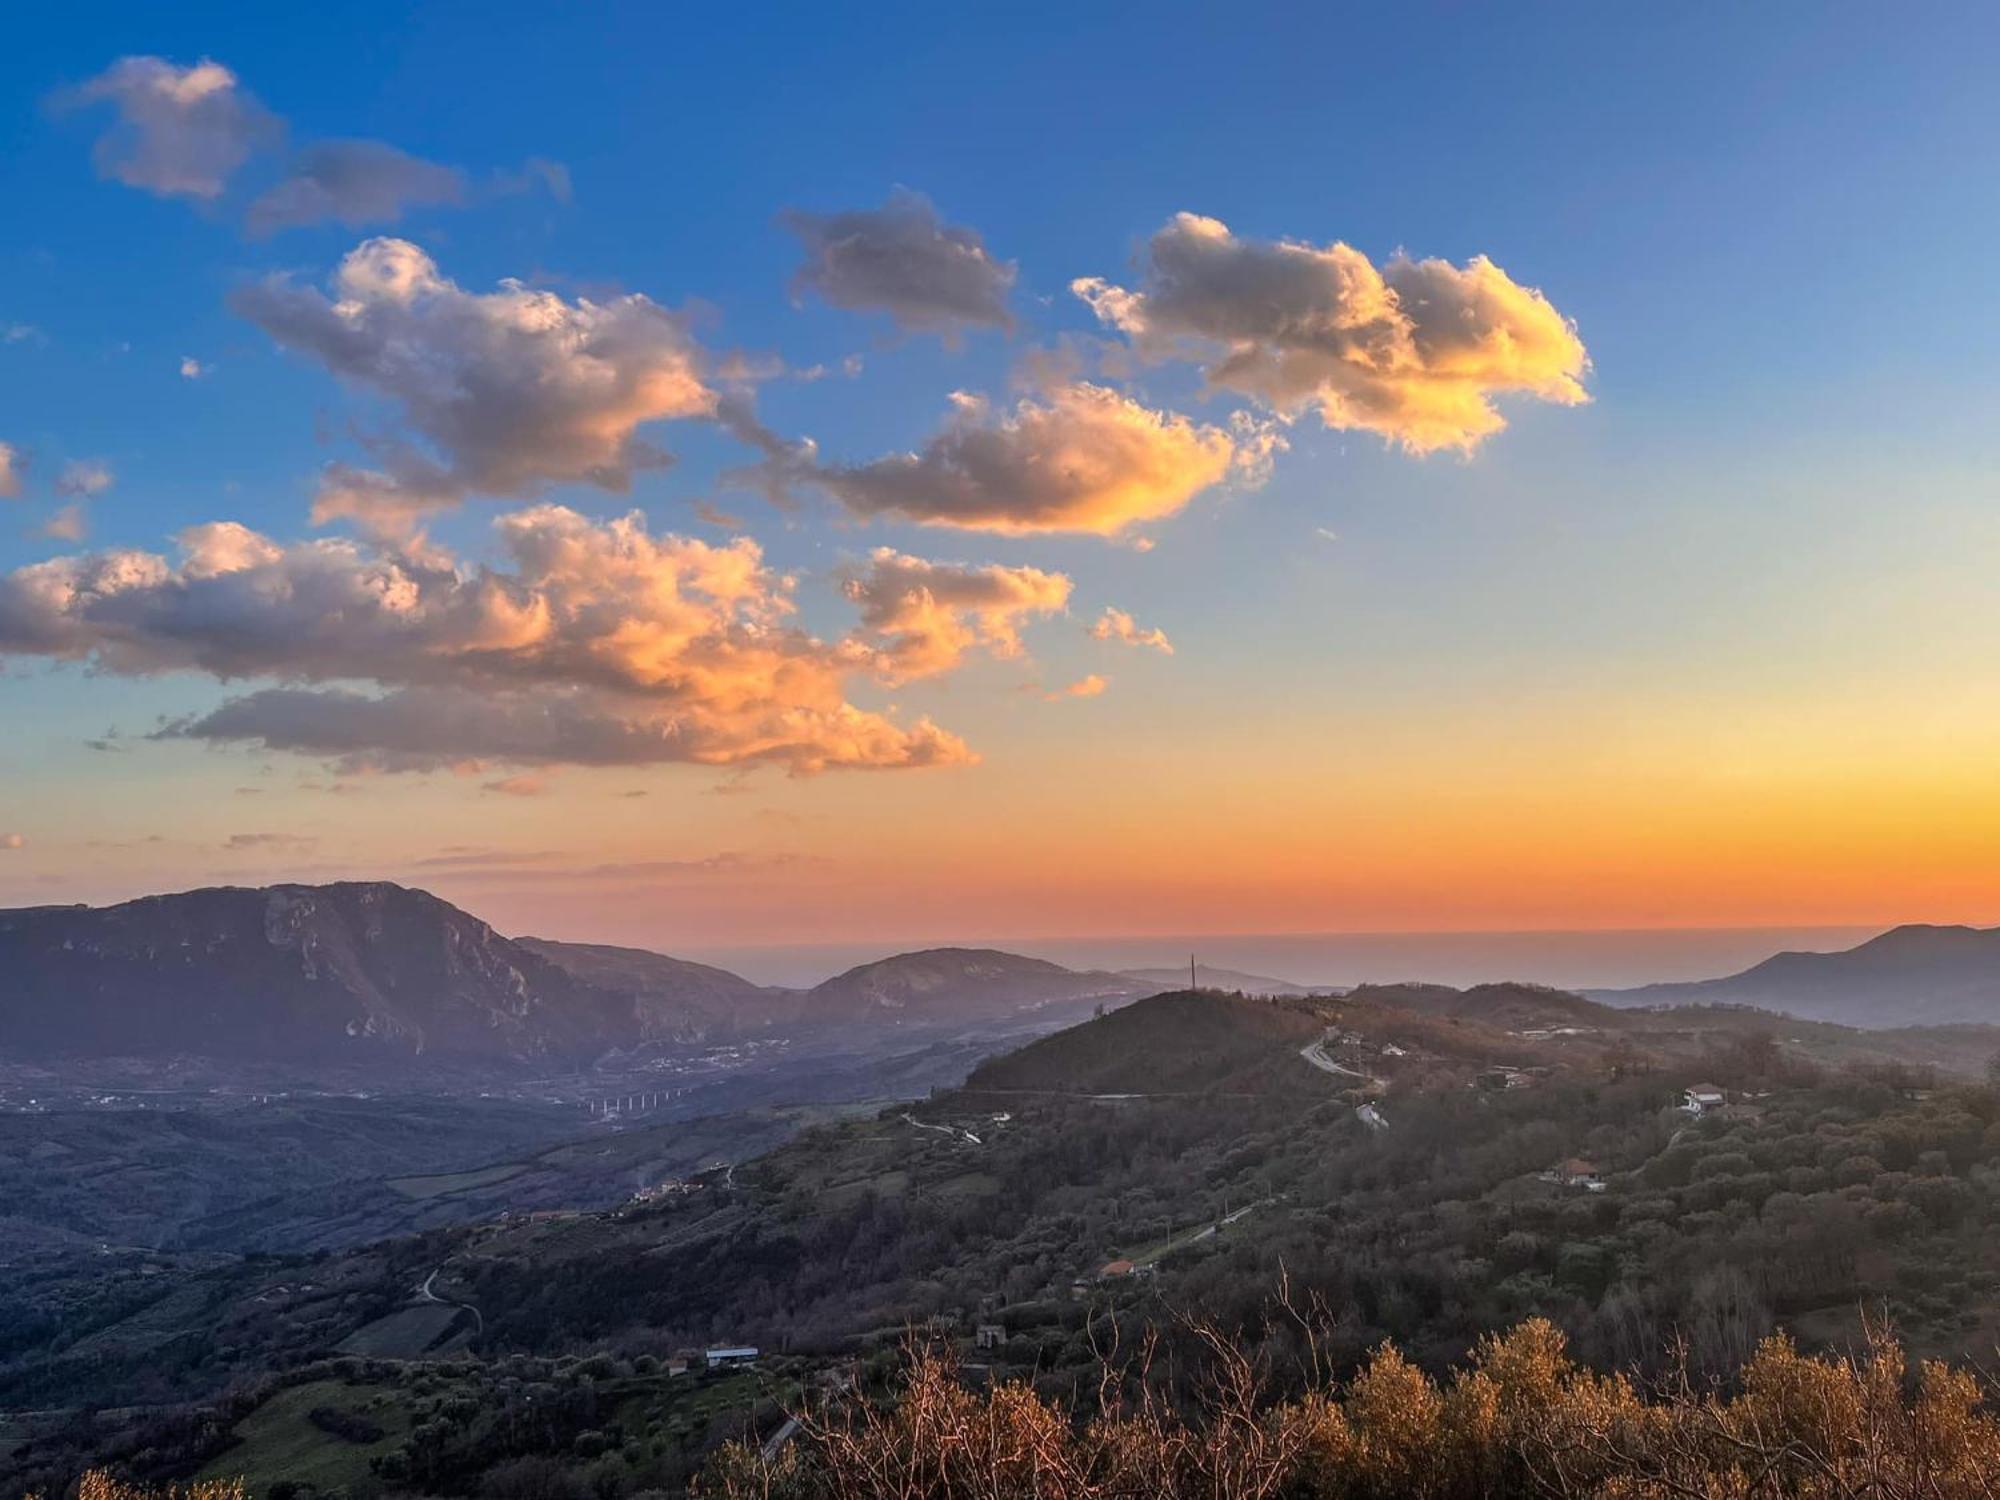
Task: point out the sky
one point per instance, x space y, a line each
790 476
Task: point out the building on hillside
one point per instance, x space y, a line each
1114 1268
1580 1172
732 1355
1699 1098
989 1336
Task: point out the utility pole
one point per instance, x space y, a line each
1191 983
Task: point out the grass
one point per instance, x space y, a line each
411 1333
438 1185
279 1441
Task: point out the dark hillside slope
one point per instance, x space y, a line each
1183 1042
698 1001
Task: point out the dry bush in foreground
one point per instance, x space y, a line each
98 1485
1522 1419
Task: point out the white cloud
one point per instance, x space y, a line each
1116 625
902 259
180 131
513 389
12 466
602 645
1416 350
192 368
353 183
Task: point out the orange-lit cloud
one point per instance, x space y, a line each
930 614
1116 625
1091 686
1415 350
11 467
1078 458
515 389
604 645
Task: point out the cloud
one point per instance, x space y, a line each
69 524
247 841
181 132
12 466
353 183
1078 458
12 841
523 785
929 276
1116 625
601 645
192 368
1084 687
929 614
84 478
514 389
1415 350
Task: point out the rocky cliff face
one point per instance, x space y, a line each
300 973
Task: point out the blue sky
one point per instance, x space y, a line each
1770 227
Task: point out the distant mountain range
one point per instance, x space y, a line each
370 971
1909 976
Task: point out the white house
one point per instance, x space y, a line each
739 1354
1699 1098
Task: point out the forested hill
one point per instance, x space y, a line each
1186 1042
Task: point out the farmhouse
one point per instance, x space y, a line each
1699 1098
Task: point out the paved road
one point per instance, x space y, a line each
428 1293
1315 1053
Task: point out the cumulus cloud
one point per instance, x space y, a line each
12 466
514 389
84 478
601 645
927 615
192 368
353 183
1415 350
902 259
1077 458
1116 625
181 132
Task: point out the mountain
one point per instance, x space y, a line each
958 985
1208 978
353 972
370 972
1912 975
699 1001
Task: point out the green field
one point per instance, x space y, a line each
436 1186
279 1441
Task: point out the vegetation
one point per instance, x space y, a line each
1520 1418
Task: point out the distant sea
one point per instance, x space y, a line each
1570 960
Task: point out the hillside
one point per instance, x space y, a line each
697 1001
947 985
355 972
1911 975
1182 1042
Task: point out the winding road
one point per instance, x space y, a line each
428 1293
